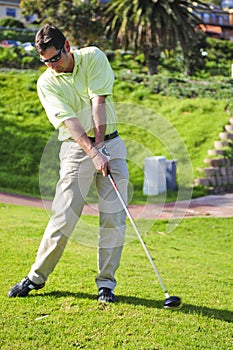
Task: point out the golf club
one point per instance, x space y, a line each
171 302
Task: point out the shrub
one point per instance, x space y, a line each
10 56
11 22
17 57
22 35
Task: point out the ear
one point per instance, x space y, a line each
67 46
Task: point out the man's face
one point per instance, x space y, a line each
58 60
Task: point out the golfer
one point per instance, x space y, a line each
76 93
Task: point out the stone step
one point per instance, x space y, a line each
225 170
215 162
226 136
221 144
214 181
202 182
215 152
229 127
222 180
230 179
210 171
231 120
230 170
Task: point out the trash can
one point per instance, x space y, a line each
154 175
171 175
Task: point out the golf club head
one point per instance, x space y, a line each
172 302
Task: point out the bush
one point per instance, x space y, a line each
22 35
17 57
217 87
11 22
29 62
10 56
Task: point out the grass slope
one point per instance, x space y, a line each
194 261
144 119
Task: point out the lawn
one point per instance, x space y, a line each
195 261
180 128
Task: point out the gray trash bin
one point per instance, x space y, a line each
171 175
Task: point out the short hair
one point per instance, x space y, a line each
49 36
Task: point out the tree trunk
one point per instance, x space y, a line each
152 63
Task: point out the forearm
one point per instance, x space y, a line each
99 118
79 135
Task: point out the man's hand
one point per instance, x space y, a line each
100 160
101 163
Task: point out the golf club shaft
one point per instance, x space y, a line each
137 232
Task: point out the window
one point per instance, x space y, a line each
220 19
206 17
11 12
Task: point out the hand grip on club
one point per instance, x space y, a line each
137 232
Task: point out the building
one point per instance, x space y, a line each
217 20
10 8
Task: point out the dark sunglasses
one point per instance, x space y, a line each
55 58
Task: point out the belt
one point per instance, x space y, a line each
106 137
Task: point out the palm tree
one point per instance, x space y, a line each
152 26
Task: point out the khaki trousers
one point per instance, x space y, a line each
76 175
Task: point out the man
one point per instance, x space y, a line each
76 92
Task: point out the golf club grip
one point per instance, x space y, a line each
137 232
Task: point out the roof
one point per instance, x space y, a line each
10 2
211 29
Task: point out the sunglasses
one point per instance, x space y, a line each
55 58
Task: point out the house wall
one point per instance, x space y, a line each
10 9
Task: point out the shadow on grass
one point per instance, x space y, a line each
224 315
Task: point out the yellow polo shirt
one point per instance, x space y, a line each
67 95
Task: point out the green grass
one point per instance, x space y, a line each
195 261
150 123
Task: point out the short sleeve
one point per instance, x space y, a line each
100 74
55 104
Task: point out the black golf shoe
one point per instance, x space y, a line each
22 288
106 295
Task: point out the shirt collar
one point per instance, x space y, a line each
77 60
